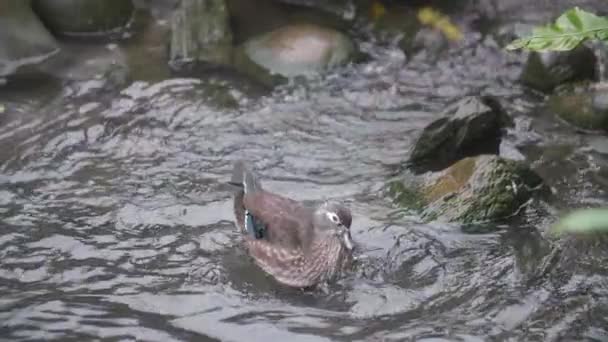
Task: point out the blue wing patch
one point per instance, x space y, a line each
254 227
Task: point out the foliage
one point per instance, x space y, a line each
427 16
569 30
434 18
377 10
583 221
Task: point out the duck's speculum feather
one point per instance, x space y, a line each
254 227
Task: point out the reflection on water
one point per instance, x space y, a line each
116 224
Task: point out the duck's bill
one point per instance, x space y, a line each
348 241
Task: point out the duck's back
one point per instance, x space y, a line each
287 223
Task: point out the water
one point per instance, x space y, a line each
116 224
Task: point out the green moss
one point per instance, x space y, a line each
509 186
456 177
405 197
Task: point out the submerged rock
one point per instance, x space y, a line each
546 70
470 127
84 17
201 33
475 189
300 49
24 40
585 109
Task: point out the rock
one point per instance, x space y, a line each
200 32
587 110
470 127
475 189
84 17
300 49
24 39
429 41
547 70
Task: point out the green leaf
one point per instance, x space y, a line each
583 221
569 30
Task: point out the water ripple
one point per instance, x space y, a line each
115 222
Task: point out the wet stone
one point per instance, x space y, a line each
470 127
300 49
84 17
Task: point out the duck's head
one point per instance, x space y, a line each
335 219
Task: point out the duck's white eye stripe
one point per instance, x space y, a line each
333 217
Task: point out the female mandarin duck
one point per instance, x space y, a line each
298 245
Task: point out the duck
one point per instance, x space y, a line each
298 245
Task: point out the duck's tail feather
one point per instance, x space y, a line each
244 179
245 183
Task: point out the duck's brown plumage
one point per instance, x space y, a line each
294 267
289 250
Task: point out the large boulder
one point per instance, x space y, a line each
24 40
470 127
477 189
201 33
84 17
300 49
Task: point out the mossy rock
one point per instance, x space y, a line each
479 189
406 196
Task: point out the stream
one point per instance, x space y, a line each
116 225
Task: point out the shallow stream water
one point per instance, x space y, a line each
115 224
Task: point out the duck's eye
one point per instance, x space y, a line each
334 217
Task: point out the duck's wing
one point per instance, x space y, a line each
282 221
